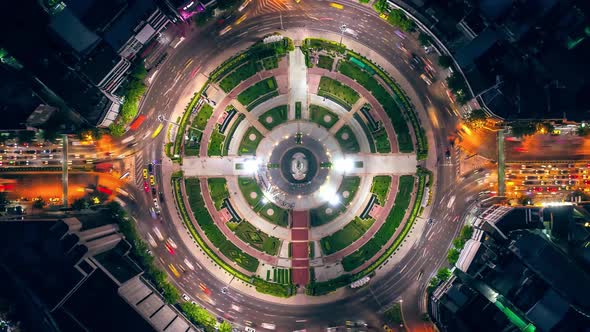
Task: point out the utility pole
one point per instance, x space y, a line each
342 29
64 168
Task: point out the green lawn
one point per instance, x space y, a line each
250 142
270 63
253 196
215 143
394 219
257 90
322 116
232 80
385 99
298 110
346 236
325 62
211 230
349 186
218 191
337 91
347 140
274 116
380 187
257 238
203 116
382 141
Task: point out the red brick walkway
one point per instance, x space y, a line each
300 247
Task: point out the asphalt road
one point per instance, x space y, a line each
428 254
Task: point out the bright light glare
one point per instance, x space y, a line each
343 165
251 165
334 200
264 200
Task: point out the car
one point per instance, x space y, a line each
224 290
150 168
152 180
249 329
226 30
185 297
169 248
146 187
145 173
153 191
387 328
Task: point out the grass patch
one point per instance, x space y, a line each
248 145
380 187
215 143
270 63
211 230
276 115
239 75
298 110
325 62
382 141
257 238
253 196
319 216
322 116
218 191
395 217
394 314
346 236
337 91
347 140
256 90
203 116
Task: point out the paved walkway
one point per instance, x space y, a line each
300 247
345 118
297 83
250 117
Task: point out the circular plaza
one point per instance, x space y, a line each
300 167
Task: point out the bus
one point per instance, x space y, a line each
157 131
137 122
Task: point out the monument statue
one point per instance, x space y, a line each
299 166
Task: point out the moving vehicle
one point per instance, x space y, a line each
137 122
226 30
185 297
336 5
152 180
174 270
146 187
157 131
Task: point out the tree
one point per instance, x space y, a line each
399 19
583 130
225 327
445 61
466 232
80 204
424 39
523 128
39 203
458 86
453 256
3 200
26 136
49 135
443 274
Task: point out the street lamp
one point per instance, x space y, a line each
342 29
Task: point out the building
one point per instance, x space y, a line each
76 54
513 275
75 274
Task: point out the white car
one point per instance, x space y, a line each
188 264
249 329
158 234
172 243
185 297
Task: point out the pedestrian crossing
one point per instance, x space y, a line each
138 169
271 6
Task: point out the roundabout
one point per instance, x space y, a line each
302 182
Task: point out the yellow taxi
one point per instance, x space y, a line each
152 180
145 173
